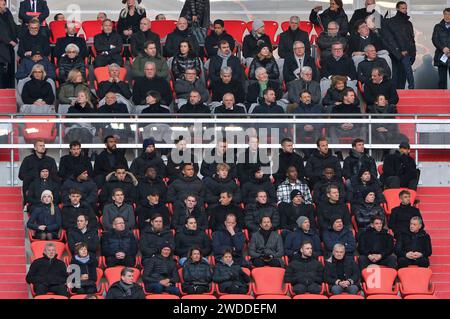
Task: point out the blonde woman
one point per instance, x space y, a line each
130 19
38 91
45 219
74 84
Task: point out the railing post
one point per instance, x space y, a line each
60 136
12 153
416 139
136 138
370 135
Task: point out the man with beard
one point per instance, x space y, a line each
180 33
107 160
76 157
149 157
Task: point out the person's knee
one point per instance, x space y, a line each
315 289
353 289
336 290
299 289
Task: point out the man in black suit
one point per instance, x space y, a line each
291 35
31 38
296 61
71 37
108 45
33 6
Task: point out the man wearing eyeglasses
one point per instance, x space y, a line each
33 39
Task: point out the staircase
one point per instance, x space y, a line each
435 208
12 245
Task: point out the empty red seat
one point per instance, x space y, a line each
91 29
46 131
84 297
384 297
202 296
309 296
58 29
163 28
347 296
421 297
274 297
236 29
236 296
161 296
415 281
274 286
379 280
50 297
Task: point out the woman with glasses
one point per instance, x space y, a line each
69 61
75 83
37 90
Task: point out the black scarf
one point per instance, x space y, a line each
265 234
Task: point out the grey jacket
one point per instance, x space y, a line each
183 88
297 86
274 246
111 211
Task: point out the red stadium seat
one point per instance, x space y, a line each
347 296
58 29
62 236
392 199
304 25
236 297
270 27
161 296
112 275
236 29
202 296
102 74
37 248
263 286
380 169
421 297
91 29
84 297
34 131
309 296
379 280
163 28
384 297
50 297
318 29
274 297
415 281
210 292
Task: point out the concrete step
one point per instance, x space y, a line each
12 278
12 260
11 224
14 294
13 269
12 241
437 259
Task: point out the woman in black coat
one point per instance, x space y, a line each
334 13
197 273
38 91
335 93
264 58
130 19
196 11
88 269
8 39
229 276
69 61
185 59
45 218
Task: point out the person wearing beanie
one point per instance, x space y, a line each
156 234
367 209
45 220
264 58
339 234
257 37
43 182
82 182
161 273
302 233
258 181
297 208
150 156
362 182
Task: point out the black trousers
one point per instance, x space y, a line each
43 289
128 261
404 262
443 72
390 261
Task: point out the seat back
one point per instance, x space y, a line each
91 29
236 296
263 286
37 248
199 297
392 199
50 297
309 296
347 296
84 297
415 280
274 297
303 25
112 274
45 131
163 28
379 280
383 297
162 296
421 297
270 27
236 29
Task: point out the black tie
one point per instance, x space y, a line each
33 5
300 62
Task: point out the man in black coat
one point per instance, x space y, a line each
361 14
145 34
332 208
108 46
255 39
217 213
48 273
229 236
370 62
8 40
220 34
43 182
150 207
288 157
250 159
151 182
76 157
292 35
31 39
33 6
151 82
181 32
404 56
119 246
108 160
220 154
338 64
28 170
303 232
81 181
71 37
401 215
190 236
228 106
189 207
268 104
414 247
376 246
361 39
114 83
441 40
225 57
195 104
261 208
122 179
318 160
75 208
125 288
304 272
153 236
149 157
380 85
83 233
290 212
399 169
342 274
327 179
254 90
358 159
295 61
258 181
186 184
221 182
226 84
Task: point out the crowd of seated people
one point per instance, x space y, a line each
211 227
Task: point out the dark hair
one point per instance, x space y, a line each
117 189
228 251
321 139
147 43
106 20
446 10
74 143
187 219
304 91
190 52
75 191
117 217
229 194
55 18
191 250
186 164
264 216
286 140
347 91
120 167
222 42
154 216
378 96
154 94
267 90
374 218
403 192
380 70
356 141
306 242
79 246
105 140
230 214
330 187
399 4
340 4
126 270
85 217
219 21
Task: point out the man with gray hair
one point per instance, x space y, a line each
341 273
295 61
226 84
414 247
304 83
326 39
371 61
292 35
71 38
48 273
225 58
228 106
255 90
151 82
114 83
